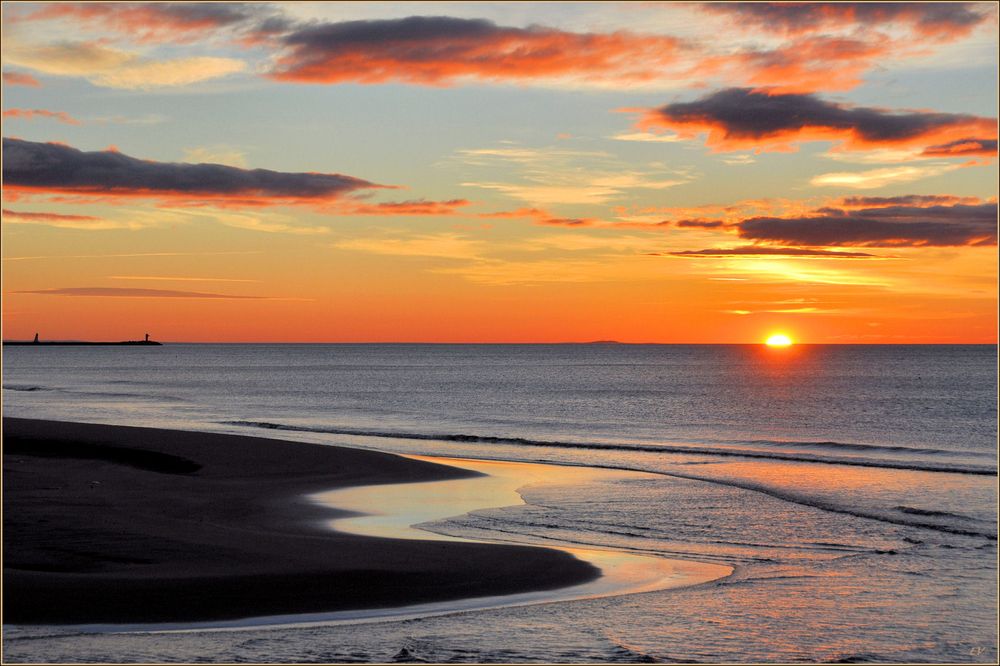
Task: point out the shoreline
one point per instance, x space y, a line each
100 520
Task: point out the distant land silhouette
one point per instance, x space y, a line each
40 343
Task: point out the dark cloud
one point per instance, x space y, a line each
905 200
125 292
755 250
700 224
413 207
982 213
891 226
961 147
434 50
216 14
945 20
740 118
50 167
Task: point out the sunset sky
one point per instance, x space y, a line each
492 172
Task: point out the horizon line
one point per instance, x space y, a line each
424 342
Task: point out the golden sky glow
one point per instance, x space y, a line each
611 173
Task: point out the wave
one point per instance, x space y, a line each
927 512
858 512
921 466
852 446
95 394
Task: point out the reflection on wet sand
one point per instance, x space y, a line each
404 511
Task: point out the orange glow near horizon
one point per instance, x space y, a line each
681 177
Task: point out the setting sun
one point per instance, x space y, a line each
778 340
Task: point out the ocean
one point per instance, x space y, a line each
852 487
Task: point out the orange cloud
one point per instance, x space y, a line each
746 119
151 22
437 50
29 217
19 79
31 114
542 217
809 65
417 207
962 147
64 221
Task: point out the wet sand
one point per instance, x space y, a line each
114 524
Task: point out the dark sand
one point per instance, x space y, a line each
112 524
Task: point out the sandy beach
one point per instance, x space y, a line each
122 524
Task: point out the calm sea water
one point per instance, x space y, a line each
853 487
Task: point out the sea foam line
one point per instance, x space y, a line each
658 448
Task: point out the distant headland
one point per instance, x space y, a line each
40 343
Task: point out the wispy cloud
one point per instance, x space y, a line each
217 154
554 175
542 217
112 67
648 137
875 178
739 160
554 194
763 251
807 271
540 157
20 79
166 278
442 246
32 114
67 221
61 257
255 223
418 207
123 292
605 268
118 119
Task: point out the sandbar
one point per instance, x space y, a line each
116 524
